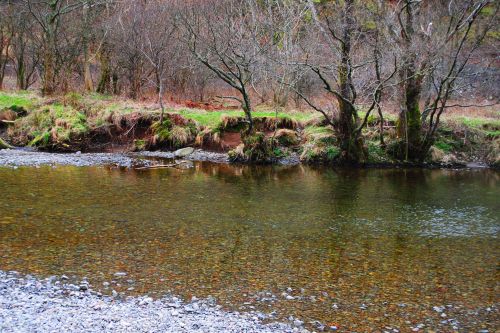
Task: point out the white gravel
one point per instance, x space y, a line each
18 157
28 304
15 158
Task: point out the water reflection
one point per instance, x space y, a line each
351 244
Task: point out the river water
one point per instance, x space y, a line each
361 250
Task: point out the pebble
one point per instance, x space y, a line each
22 302
298 323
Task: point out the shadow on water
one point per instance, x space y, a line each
338 246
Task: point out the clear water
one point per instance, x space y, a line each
360 249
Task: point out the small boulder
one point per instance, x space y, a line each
184 152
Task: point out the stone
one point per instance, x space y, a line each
120 274
184 152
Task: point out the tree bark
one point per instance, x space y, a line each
350 145
48 87
105 80
409 123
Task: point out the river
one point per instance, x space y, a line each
355 249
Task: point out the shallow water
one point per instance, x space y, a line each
360 249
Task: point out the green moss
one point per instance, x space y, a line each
332 153
444 146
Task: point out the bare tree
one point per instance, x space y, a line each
159 32
434 44
6 32
335 64
49 15
25 49
224 37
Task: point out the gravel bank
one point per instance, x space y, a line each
197 155
28 304
16 158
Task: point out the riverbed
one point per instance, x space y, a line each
337 249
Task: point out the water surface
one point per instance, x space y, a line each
359 249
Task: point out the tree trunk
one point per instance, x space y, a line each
350 145
21 74
160 99
87 75
409 122
105 81
247 108
4 56
48 87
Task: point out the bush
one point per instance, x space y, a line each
55 127
170 134
256 148
286 137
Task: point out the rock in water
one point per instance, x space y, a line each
184 152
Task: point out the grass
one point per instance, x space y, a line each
213 118
51 125
24 99
480 122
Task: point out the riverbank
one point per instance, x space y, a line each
28 304
18 158
151 159
102 124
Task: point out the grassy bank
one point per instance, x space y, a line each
96 122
